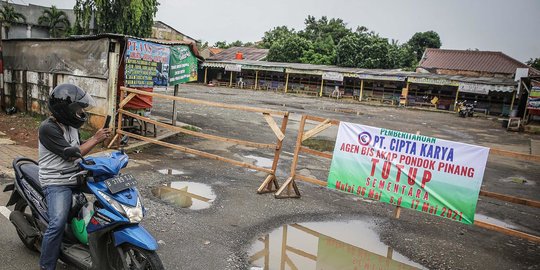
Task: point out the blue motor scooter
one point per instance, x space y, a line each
103 230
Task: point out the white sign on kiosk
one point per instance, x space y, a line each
332 76
237 68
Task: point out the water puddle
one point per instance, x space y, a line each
261 162
191 195
171 172
494 221
326 245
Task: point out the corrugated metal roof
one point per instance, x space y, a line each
479 61
215 50
249 53
368 74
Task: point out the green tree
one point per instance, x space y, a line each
130 17
422 40
274 35
347 51
221 45
534 63
8 16
315 29
374 53
289 49
320 52
56 20
401 56
237 43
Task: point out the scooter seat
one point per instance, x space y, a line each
31 173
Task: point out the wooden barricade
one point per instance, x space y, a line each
270 184
289 186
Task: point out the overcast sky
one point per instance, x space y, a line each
495 25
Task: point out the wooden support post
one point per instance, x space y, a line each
119 120
361 90
205 75
256 80
271 184
389 253
290 181
456 101
322 86
397 212
512 104
230 80
287 83
175 93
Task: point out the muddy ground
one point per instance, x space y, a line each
219 237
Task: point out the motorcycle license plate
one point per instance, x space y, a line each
121 182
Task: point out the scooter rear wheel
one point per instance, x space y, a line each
137 258
21 206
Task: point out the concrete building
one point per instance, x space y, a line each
163 31
31 28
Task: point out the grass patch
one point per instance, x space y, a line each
320 144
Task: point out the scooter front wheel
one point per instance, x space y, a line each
133 257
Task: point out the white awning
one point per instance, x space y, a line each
484 89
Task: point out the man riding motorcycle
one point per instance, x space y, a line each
67 104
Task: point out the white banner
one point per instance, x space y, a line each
237 68
427 174
484 89
332 76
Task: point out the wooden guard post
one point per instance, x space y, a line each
290 185
270 184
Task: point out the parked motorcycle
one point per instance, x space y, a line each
466 108
103 230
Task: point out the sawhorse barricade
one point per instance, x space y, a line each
289 186
270 184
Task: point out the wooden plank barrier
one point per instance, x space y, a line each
289 189
270 184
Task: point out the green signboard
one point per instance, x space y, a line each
426 174
183 65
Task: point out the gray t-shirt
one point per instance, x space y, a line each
54 138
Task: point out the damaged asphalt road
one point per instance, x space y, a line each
220 236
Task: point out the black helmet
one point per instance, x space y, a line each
68 102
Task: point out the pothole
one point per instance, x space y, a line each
326 245
494 221
171 172
191 195
261 161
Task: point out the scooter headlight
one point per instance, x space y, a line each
134 214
